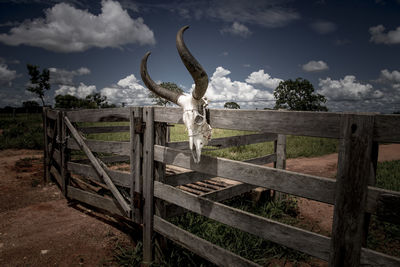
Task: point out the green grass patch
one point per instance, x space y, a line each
244 244
388 175
384 236
21 131
297 146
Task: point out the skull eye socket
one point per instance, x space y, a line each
198 119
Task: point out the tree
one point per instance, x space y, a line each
31 106
95 100
40 82
68 101
161 101
232 105
298 95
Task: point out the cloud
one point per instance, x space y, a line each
347 89
67 29
237 29
268 14
263 79
323 27
313 66
80 91
390 78
66 77
6 75
265 13
379 36
222 89
129 91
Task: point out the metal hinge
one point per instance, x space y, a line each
138 200
139 125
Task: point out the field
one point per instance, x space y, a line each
25 132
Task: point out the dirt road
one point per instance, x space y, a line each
37 228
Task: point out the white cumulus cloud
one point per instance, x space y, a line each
67 29
129 91
237 29
346 89
264 79
6 75
66 77
80 91
222 89
313 66
379 36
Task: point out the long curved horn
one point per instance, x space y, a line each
199 75
155 88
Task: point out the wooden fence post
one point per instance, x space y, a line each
280 163
62 135
351 189
148 185
46 173
136 161
371 182
160 138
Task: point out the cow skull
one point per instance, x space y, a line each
194 105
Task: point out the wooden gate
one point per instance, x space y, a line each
148 194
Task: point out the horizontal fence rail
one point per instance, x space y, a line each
148 196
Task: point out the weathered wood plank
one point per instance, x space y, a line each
302 240
56 155
299 239
280 163
228 192
97 165
387 128
224 142
374 258
192 176
116 147
389 208
104 129
351 189
51 113
201 247
56 175
96 115
46 175
148 185
95 200
136 161
319 124
62 129
118 178
313 187
106 159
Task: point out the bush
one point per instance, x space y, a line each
22 132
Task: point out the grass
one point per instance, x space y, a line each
244 244
384 236
21 131
297 146
25 131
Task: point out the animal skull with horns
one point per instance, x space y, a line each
194 105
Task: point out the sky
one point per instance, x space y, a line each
349 50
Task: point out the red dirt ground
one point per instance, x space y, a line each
38 228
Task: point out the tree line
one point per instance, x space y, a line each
296 94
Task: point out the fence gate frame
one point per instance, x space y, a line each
150 189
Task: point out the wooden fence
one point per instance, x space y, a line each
148 194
